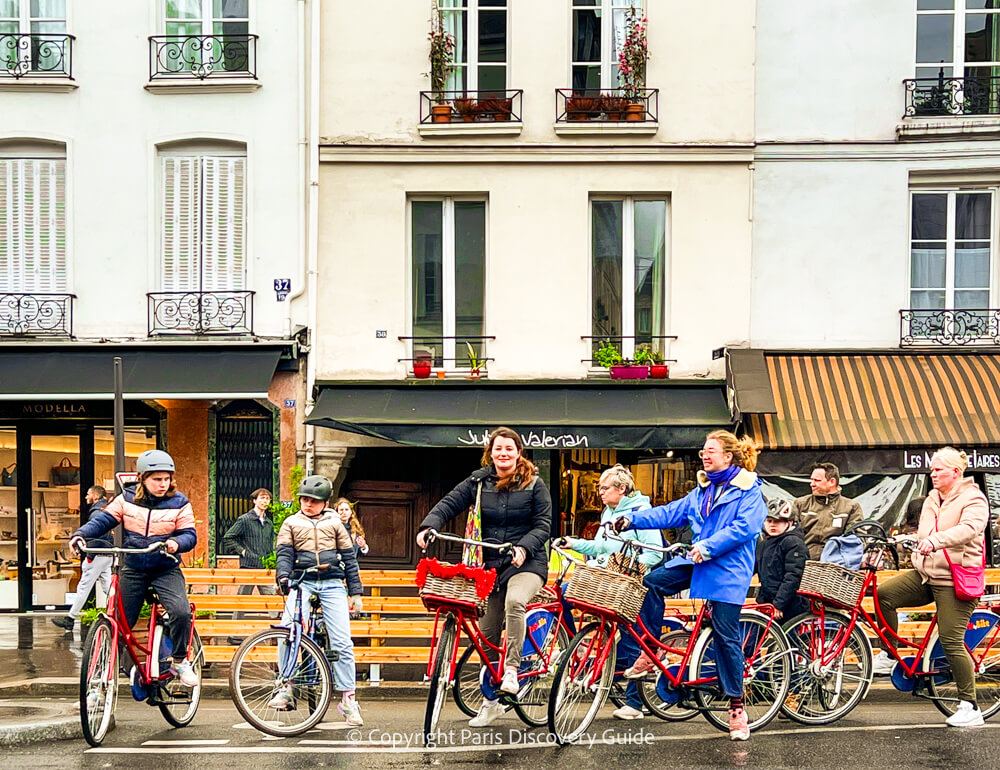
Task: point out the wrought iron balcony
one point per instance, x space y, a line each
607 106
36 55
202 56
201 312
36 315
470 106
932 328
952 96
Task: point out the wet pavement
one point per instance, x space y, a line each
31 647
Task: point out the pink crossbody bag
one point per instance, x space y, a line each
970 582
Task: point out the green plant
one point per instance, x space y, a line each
279 511
607 355
475 362
269 561
442 52
633 54
646 356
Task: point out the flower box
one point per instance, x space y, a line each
659 371
629 372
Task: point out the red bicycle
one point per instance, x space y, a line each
457 594
150 678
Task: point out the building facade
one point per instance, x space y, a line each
151 205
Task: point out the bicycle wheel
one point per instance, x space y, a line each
765 674
819 695
98 681
178 703
986 659
532 704
259 671
582 683
444 648
657 694
466 690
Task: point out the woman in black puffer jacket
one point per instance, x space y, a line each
516 508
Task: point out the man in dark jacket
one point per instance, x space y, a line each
781 558
252 537
826 512
92 568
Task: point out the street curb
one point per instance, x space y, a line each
58 728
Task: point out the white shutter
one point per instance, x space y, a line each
224 214
33 225
181 223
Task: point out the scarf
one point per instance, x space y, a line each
715 479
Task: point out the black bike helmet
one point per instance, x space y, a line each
780 510
316 487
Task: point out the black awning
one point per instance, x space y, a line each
547 417
168 372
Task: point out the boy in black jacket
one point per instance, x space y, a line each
781 558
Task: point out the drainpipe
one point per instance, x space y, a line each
299 279
312 229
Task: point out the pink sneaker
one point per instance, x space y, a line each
642 666
738 728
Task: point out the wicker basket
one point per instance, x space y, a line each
832 583
453 590
545 595
620 594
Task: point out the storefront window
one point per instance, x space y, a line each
8 519
55 515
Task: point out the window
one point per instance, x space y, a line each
33 225
45 20
480 31
449 272
598 33
961 39
203 222
227 21
629 272
951 258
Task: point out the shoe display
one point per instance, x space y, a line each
883 664
488 714
184 671
642 666
351 712
738 728
966 715
627 712
64 623
509 684
282 700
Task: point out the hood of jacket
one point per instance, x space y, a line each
635 501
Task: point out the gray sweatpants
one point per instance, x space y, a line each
509 604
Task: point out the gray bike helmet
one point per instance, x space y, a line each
316 487
154 460
780 510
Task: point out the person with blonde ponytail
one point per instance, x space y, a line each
725 512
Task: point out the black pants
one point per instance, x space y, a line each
172 590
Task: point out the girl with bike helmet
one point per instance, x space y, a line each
153 511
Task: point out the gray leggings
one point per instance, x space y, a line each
509 603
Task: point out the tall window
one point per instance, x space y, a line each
449 272
951 258
33 225
44 18
629 272
598 34
227 20
480 31
961 39
203 241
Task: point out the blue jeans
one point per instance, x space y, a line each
666 581
337 618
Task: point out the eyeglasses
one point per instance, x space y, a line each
703 453
606 488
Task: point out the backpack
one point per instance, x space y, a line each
846 550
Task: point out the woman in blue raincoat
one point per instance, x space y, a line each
725 512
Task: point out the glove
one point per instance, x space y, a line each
283 586
354 605
561 542
619 525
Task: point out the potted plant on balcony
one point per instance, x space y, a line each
579 107
442 52
632 64
467 108
658 370
422 363
495 109
613 106
475 362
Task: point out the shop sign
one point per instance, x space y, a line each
54 410
919 460
532 439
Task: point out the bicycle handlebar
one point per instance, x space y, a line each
151 548
433 534
670 550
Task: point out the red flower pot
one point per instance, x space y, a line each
629 372
659 371
422 369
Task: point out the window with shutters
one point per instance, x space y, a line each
33 225
203 223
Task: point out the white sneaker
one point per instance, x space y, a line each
488 714
627 712
967 715
509 684
184 671
351 712
883 664
282 700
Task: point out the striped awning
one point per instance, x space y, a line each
880 400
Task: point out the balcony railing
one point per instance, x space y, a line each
432 349
36 55
201 312
36 315
470 106
202 56
574 105
952 96
931 328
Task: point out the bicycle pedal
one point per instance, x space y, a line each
508 700
332 655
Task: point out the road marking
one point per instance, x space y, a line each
187 743
540 740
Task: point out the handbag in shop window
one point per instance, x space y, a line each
8 476
65 474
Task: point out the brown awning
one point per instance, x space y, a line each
880 400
